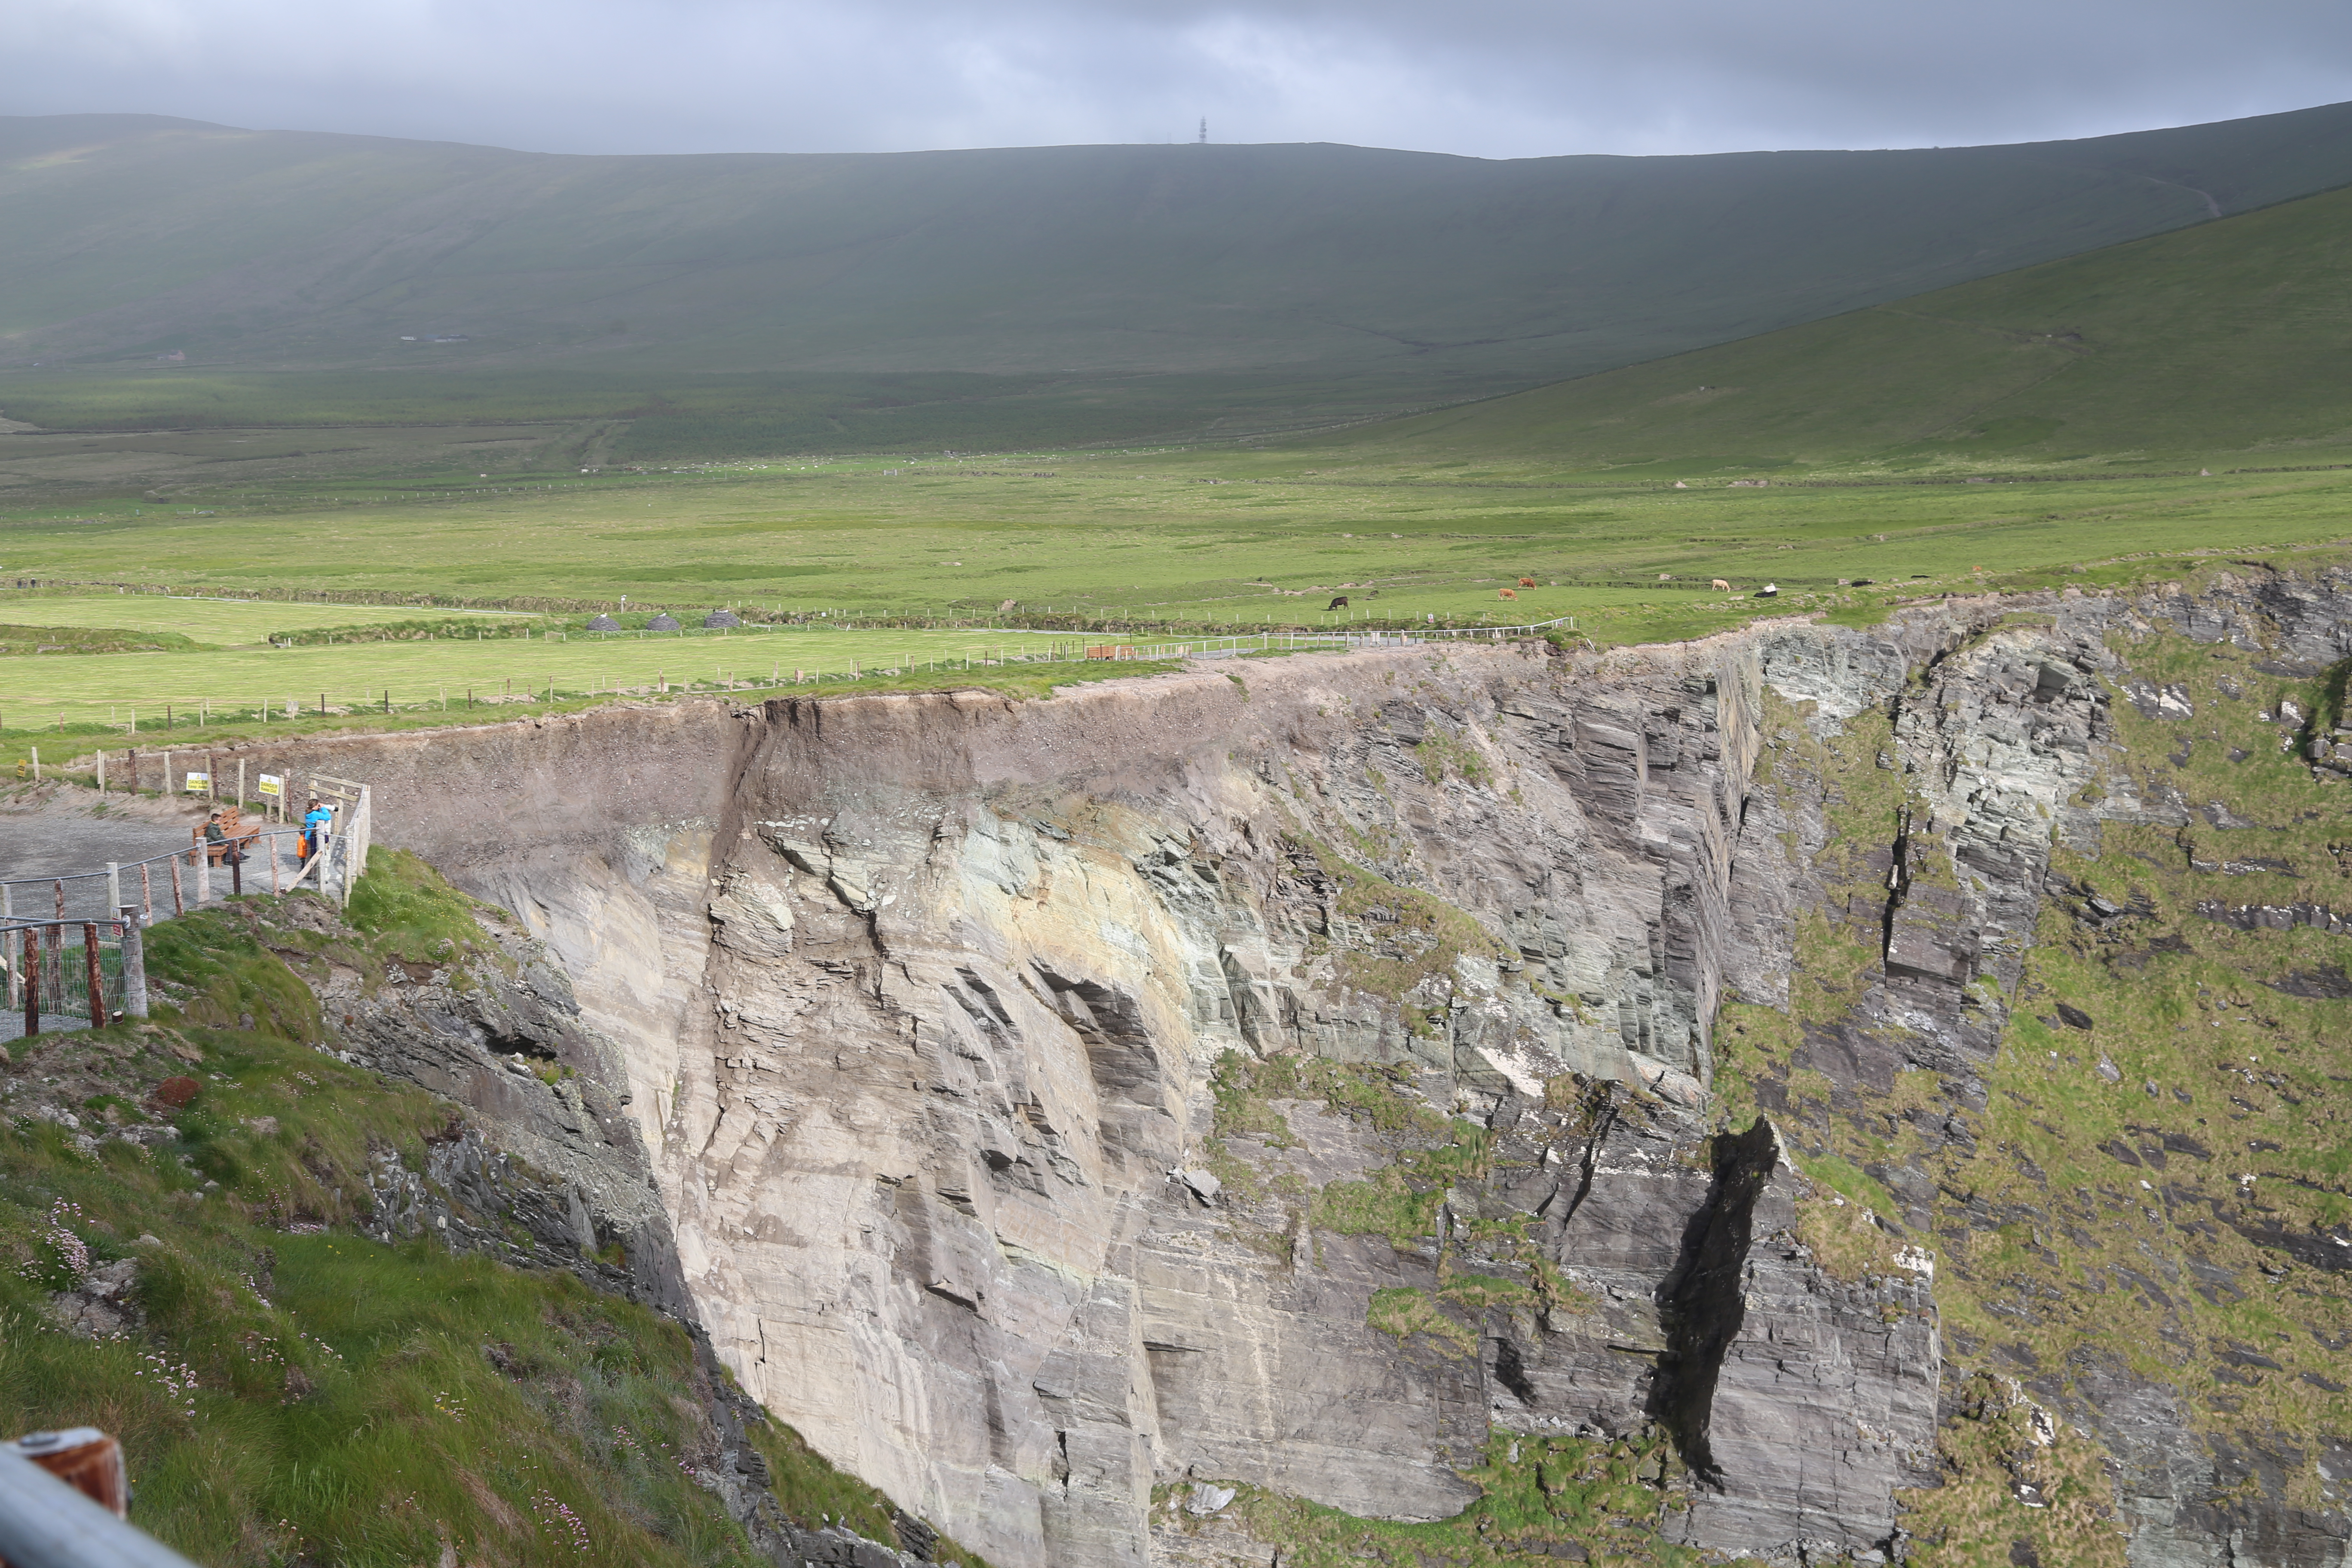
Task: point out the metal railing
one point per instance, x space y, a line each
45 1522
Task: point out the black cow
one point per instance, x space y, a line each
1340 603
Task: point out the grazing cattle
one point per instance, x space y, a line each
1507 593
1720 586
1768 591
1527 582
1338 602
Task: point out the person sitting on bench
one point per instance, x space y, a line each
225 850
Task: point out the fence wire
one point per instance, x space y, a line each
64 975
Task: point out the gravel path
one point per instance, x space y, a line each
59 831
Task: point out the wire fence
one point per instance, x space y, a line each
71 973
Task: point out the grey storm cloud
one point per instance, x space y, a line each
1488 77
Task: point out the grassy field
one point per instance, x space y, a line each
229 687
1097 546
230 622
1234 536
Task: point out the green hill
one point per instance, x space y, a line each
2227 339
123 239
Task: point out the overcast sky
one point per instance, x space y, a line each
1490 78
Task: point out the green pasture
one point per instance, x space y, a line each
1242 538
1131 544
206 690
201 620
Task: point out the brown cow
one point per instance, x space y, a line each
1507 593
1527 582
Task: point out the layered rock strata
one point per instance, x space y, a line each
947 1023
924 1001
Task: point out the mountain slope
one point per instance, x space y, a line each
2227 338
123 237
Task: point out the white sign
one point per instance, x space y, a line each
198 783
272 784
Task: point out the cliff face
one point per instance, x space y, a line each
1320 1078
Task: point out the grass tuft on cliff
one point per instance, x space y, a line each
1592 1500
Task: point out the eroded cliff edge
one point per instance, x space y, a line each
1291 1073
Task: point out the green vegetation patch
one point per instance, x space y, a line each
1415 937
1565 1497
291 1391
1406 1312
2019 1485
2164 1142
17 639
214 965
410 914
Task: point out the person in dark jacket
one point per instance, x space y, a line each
230 852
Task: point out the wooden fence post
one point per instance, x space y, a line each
32 981
97 977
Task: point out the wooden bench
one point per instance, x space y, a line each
236 833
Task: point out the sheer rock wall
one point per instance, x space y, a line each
921 1006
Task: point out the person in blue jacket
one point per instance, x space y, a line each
317 823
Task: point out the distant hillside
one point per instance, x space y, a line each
2228 338
127 237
